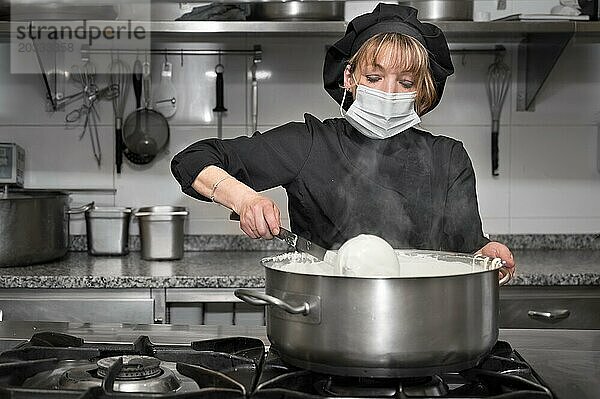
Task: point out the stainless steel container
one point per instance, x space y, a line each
298 11
380 327
107 230
34 226
161 231
442 10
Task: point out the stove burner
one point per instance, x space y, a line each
425 387
349 387
381 388
134 368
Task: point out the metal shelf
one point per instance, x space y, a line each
464 31
263 27
494 29
183 30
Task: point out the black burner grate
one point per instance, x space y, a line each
237 368
502 375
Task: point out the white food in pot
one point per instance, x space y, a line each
413 264
367 255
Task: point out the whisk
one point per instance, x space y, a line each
119 78
497 87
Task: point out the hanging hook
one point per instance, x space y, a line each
166 59
463 59
499 54
181 54
499 57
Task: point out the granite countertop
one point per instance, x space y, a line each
226 269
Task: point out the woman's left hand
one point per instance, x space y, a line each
497 250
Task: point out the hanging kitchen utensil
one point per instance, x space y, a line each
137 91
165 97
254 97
146 132
49 95
220 108
497 87
119 76
86 77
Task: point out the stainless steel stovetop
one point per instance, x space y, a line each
124 361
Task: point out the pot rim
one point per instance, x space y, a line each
487 265
109 210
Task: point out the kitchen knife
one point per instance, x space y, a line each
300 244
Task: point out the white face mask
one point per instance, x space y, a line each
379 115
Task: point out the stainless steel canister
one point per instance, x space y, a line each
107 230
161 231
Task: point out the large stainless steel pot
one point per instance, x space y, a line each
297 10
34 226
381 327
442 10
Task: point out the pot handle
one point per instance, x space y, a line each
258 299
81 209
506 276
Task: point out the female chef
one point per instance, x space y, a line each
371 171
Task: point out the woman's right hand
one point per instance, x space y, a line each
259 217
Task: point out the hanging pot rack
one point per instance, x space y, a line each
57 101
255 52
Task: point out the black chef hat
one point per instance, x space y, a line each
386 18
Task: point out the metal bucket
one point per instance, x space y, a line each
381 327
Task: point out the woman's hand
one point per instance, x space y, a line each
259 217
497 250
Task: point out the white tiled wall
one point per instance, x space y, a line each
548 183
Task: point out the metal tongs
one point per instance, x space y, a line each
299 243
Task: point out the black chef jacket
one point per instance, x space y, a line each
415 190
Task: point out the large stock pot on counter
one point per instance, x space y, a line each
421 323
34 226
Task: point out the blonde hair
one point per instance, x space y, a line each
401 52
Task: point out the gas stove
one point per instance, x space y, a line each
56 365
